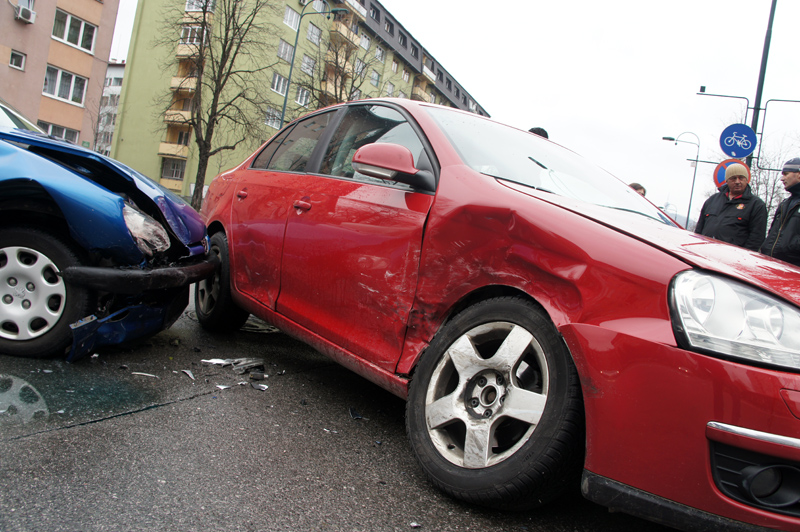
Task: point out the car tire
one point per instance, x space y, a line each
36 305
214 306
495 411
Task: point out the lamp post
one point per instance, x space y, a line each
676 140
294 50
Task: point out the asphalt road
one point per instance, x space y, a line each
128 441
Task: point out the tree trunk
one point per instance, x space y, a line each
200 179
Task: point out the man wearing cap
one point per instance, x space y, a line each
734 214
783 240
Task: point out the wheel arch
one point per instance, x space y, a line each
409 362
27 202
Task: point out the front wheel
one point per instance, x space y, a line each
495 412
216 310
36 306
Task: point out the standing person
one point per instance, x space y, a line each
539 131
734 214
638 188
783 240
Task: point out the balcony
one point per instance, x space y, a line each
173 116
175 185
419 94
168 149
360 10
341 34
183 83
429 74
186 50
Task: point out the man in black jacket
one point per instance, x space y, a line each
783 240
734 214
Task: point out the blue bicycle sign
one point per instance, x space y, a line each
738 140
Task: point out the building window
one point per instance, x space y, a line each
414 51
64 85
394 66
17 60
314 33
365 41
402 39
291 18
319 6
390 89
59 132
303 96
116 82
374 13
26 3
285 50
356 94
449 85
359 68
389 27
73 30
406 76
402 94
200 5
192 35
279 84
173 169
183 137
380 54
308 65
433 96
273 117
439 76
375 78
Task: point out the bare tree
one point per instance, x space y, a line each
339 72
221 100
767 184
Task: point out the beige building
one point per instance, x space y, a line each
56 55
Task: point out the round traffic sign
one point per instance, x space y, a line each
737 140
719 171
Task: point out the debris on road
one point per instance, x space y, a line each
144 374
189 373
261 387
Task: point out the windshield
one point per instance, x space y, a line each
510 154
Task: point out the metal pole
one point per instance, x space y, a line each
762 74
691 192
294 50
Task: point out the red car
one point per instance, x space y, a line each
547 325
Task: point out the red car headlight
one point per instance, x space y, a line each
722 316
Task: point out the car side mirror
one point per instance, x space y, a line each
393 162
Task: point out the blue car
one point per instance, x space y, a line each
92 252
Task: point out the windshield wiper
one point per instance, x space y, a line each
537 162
634 212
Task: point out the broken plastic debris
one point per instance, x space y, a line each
242 365
222 386
217 362
189 373
261 387
143 374
354 414
414 524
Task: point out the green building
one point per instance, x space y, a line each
313 53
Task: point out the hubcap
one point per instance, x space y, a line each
32 295
487 395
208 289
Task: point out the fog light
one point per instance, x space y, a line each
774 486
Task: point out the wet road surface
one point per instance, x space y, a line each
128 441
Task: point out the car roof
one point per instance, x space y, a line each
10 117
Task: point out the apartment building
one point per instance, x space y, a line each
316 49
109 106
56 57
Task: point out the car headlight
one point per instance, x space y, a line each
719 315
149 235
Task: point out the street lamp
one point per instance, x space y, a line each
676 140
294 50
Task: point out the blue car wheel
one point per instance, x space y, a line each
36 305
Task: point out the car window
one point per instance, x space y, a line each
294 152
365 124
263 158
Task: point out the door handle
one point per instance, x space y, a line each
242 193
302 205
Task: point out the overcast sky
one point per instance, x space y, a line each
610 79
